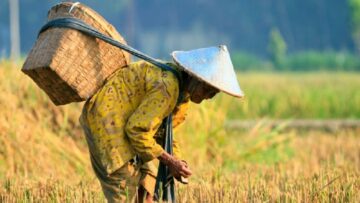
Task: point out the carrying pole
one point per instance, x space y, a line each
14 30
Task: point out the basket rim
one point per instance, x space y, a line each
91 13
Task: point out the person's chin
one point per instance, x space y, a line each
196 100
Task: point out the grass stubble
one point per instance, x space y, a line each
43 156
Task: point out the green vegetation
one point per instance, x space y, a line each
248 62
326 61
44 158
300 95
277 49
305 24
355 21
301 61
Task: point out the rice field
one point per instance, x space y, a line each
43 155
320 95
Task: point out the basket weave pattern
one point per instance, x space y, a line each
69 65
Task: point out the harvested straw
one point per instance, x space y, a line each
68 65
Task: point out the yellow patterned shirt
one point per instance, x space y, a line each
126 113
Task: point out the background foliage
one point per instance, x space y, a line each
161 26
355 20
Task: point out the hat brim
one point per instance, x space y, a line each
211 65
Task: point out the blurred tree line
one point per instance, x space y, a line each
275 33
355 20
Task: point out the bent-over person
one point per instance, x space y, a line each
122 121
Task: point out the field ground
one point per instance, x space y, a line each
291 167
43 156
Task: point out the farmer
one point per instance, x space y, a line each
122 120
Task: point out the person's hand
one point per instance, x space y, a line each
177 167
182 179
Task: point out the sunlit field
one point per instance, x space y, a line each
43 154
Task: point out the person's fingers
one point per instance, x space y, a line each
175 173
187 169
185 175
180 168
183 161
178 174
186 172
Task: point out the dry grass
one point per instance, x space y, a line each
43 157
324 168
37 139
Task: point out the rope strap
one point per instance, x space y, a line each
165 181
76 24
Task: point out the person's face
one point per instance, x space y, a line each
199 91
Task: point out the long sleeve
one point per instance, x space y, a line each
162 92
179 115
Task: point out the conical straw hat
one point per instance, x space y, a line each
211 65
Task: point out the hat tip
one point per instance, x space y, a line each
223 47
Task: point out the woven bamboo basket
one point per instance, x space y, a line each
69 65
